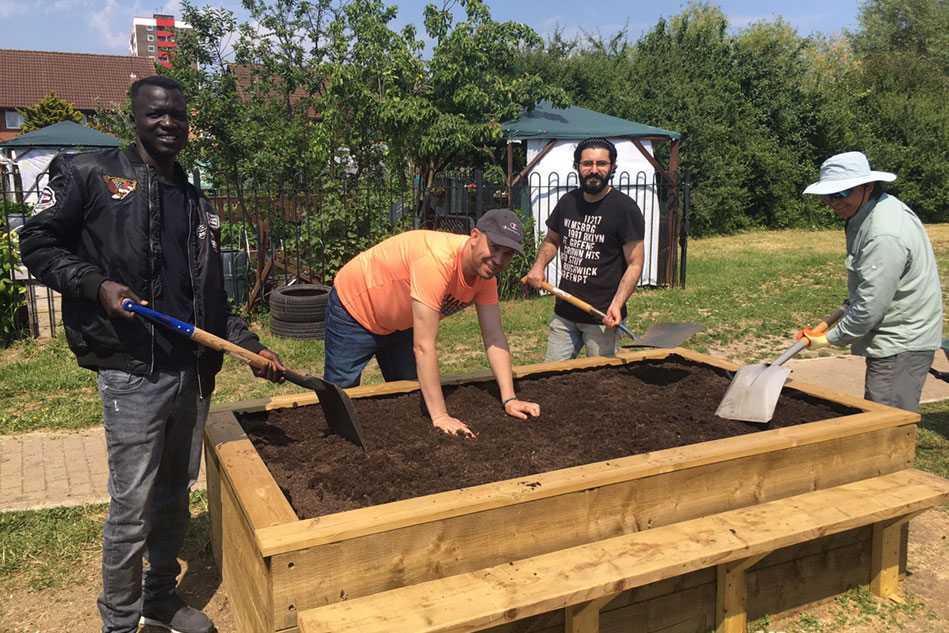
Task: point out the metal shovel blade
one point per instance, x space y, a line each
753 393
337 408
665 335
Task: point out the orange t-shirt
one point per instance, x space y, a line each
378 285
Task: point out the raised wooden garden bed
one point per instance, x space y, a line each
275 565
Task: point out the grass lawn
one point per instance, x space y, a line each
751 291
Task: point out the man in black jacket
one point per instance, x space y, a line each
127 224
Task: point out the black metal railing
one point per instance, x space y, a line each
305 229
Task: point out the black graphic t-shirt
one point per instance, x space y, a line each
591 248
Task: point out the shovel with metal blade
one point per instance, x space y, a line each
665 335
337 406
755 389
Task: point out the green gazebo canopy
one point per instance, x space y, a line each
62 134
574 122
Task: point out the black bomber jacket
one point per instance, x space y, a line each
99 219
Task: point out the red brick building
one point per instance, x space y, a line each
154 37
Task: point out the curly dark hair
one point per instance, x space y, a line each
594 142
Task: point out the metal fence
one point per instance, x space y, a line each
27 308
307 230
277 231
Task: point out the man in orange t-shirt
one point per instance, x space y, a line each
387 302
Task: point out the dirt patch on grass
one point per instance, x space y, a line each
924 593
73 607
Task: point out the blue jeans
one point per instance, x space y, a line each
566 338
153 427
349 347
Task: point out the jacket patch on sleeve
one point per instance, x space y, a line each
120 187
47 199
214 221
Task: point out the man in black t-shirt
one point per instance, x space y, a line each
599 233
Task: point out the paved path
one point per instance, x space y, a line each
43 470
49 470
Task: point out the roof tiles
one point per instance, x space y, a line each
78 78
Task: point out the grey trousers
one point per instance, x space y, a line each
898 380
566 339
153 429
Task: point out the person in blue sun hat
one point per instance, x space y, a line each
895 314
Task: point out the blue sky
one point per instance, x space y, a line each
102 26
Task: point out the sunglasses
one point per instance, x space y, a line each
600 164
840 195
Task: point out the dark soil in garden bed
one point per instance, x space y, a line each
587 416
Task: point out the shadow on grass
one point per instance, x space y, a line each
202 578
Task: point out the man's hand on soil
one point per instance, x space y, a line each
452 426
522 409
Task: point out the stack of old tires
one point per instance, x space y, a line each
298 311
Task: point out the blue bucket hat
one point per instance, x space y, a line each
843 171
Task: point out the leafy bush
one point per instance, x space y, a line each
509 282
11 292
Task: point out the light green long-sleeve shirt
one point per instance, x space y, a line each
893 281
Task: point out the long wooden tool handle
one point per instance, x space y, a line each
580 303
214 342
198 335
569 298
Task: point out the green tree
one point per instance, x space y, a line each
901 97
471 84
203 68
115 119
771 59
333 88
684 78
50 110
751 108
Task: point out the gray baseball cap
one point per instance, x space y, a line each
503 227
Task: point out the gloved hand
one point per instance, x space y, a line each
814 340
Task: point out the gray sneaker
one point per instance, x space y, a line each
170 612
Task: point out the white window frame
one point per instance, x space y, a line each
13 120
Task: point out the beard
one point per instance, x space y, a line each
594 184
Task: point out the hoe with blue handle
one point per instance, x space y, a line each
337 406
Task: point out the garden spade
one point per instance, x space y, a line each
755 389
337 406
666 335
